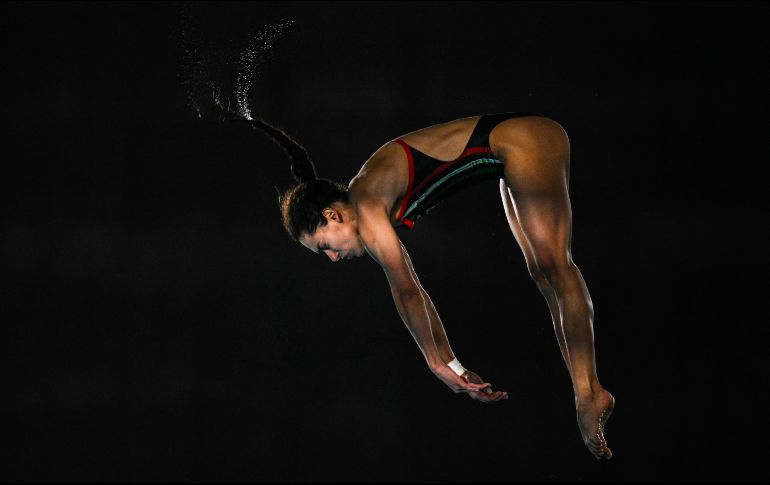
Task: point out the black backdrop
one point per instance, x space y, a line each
159 324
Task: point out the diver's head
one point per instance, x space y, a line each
317 214
316 211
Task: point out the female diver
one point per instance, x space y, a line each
407 177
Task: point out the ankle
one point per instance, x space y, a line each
587 391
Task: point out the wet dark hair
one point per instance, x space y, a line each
301 205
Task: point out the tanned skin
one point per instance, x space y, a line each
536 153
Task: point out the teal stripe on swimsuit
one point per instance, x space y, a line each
461 177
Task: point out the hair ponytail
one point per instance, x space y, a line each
302 167
301 206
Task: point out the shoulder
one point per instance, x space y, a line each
379 238
384 157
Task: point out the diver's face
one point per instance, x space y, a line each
338 238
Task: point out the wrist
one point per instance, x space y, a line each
457 367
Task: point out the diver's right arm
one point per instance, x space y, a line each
384 246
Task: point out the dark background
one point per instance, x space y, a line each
159 324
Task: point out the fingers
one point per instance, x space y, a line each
469 387
486 399
499 396
472 378
492 396
471 383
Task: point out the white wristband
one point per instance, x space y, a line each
457 367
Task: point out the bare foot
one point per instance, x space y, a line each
592 413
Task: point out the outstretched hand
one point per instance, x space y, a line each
486 394
457 383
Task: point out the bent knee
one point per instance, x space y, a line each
551 266
537 275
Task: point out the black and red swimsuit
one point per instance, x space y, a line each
431 180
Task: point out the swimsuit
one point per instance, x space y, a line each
431 180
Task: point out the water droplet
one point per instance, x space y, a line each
221 74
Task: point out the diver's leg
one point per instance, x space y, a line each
537 275
536 156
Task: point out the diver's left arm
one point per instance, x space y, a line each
383 245
437 328
442 342
412 302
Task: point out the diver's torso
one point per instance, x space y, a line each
427 165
